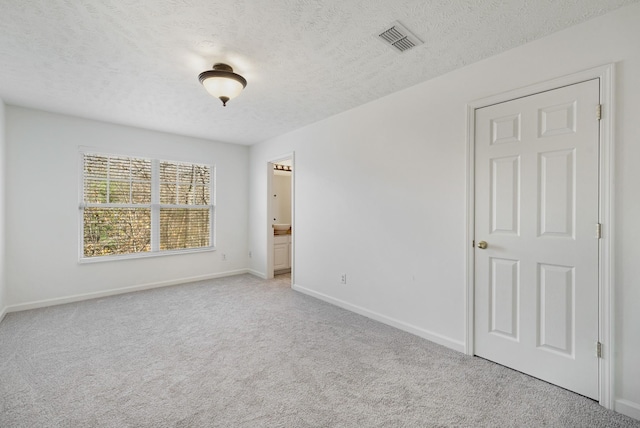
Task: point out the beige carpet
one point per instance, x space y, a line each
243 352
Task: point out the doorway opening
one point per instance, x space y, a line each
280 218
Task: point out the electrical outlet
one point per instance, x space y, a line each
343 278
223 257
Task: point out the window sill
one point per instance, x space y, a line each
149 254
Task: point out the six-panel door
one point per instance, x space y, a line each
536 283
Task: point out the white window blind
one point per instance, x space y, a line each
134 205
185 192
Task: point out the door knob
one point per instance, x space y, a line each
482 245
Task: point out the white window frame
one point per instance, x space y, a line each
155 206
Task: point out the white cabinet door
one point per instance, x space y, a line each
536 283
281 252
280 256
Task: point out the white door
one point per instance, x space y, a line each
536 282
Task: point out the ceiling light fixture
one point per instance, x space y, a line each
222 82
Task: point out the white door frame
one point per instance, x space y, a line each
269 258
606 215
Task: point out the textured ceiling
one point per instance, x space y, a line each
136 62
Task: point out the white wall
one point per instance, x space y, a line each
42 208
380 191
3 299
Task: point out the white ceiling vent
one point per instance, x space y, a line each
399 37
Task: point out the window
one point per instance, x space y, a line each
139 206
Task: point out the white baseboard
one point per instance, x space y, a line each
106 293
256 273
425 334
628 408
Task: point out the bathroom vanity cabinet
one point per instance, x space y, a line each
281 252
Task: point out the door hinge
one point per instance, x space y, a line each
599 349
473 244
599 112
598 230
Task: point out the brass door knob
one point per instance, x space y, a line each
482 245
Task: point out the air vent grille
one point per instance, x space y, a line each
392 35
399 37
403 44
